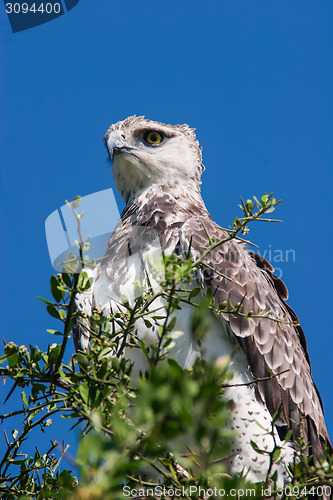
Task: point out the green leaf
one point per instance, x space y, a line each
257 449
84 392
3 358
165 461
82 360
115 364
176 334
289 435
36 354
54 354
274 476
249 205
67 279
276 415
24 398
195 292
45 301
53 311
62 314
172 323
76 201
13 359
175 366
169 344
38 388
56 313
84 282
57 293
54 332
105 352
264 199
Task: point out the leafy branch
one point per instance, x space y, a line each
133 429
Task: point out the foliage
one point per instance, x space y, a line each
133 430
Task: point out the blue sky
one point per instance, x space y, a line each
254 78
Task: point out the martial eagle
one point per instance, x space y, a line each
157 170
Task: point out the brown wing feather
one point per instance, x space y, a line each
273 345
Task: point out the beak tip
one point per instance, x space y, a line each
114 142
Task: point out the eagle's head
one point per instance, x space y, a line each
145 153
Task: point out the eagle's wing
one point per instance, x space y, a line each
274 347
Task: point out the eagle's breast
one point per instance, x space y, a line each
132 258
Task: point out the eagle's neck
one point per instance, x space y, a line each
171 203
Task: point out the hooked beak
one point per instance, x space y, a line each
116 143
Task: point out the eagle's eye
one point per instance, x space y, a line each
153 137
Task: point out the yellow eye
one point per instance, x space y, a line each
153 137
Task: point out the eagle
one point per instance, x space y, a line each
157 170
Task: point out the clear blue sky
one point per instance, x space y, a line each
256 80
